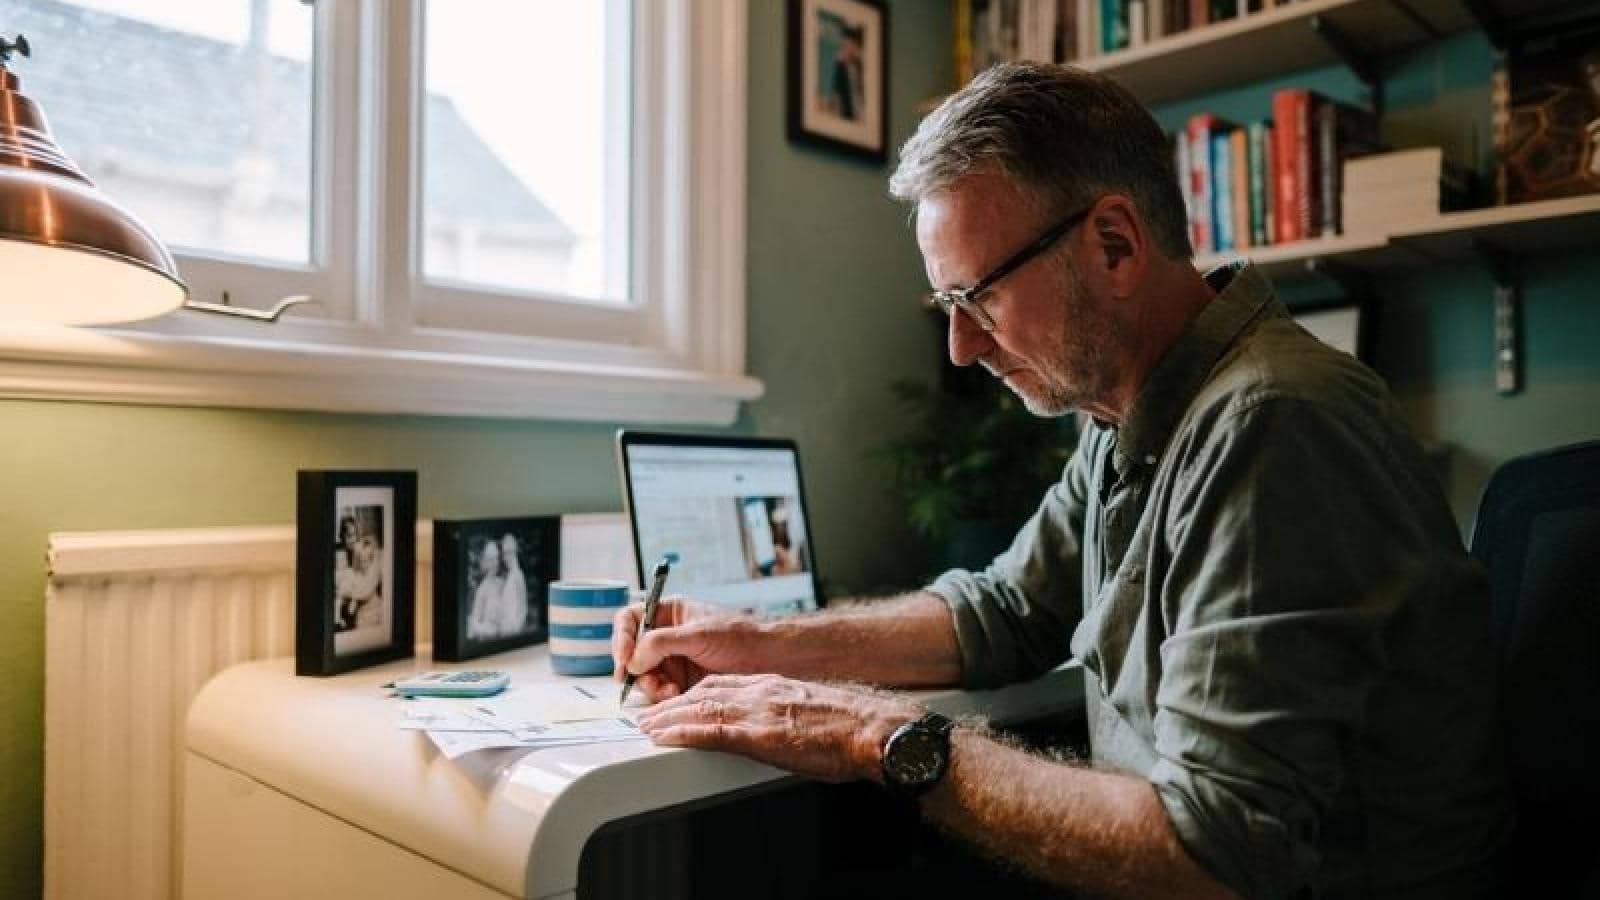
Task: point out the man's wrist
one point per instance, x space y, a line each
875 732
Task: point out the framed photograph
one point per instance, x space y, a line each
491 582
355 570
839 75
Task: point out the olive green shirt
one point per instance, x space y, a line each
1278 625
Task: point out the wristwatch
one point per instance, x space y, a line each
917 755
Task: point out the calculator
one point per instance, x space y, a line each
470 683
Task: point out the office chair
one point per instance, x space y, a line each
1538 533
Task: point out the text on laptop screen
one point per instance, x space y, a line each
733 516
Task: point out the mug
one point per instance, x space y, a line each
581 613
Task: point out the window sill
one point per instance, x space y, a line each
359 375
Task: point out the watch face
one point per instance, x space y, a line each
917 757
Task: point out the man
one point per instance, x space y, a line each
1288 676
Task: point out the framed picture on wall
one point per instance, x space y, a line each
355 569
839 75
490 583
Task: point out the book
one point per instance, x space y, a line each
1239 186
1180 150
1341 131
1418 164
1260 138
1113 25
1291 118
1088 28
1202 167
1385 190
1545 102
1222 189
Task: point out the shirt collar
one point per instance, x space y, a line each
1242 293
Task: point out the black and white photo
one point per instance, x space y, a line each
490 582
356 554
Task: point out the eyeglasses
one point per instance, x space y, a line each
970 299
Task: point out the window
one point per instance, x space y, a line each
501 207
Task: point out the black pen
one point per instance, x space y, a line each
647 621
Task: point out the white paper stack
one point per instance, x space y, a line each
1383 191
529 716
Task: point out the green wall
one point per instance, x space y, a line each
834 278
833 282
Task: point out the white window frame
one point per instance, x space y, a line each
382 341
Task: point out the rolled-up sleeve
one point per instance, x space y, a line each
1288 566
1013 619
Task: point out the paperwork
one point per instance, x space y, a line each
533 716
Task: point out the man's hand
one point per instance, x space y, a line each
819 731
689 641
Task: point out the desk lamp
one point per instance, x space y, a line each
69 254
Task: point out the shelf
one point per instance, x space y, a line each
1518 229
1281 40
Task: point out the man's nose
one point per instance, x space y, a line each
967 340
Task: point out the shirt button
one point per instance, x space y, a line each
1150 459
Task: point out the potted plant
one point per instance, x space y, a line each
973 466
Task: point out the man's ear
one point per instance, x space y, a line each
1121 243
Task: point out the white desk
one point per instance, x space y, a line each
307 787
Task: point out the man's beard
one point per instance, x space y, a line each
1075 373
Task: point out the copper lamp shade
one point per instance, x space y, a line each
68 253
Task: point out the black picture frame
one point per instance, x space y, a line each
355 569
467 625
838 74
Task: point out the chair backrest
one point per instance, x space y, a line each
1538 533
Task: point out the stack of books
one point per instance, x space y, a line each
1387 190
1272 181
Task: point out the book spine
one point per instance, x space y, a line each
1138 24
1199 13
1284 106
1305 167
1327 132
963 49
1180 151
1239 186
1343 131
1269 181
1066 46
1222 190
1113 25
1258 194
1205 236
1088 19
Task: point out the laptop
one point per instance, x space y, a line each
733 511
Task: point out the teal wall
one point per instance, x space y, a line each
834 279
833 282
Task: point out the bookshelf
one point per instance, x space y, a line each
1282 39
1364 35
1522 229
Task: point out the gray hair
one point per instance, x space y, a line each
1068 134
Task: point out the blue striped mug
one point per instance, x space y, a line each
581 613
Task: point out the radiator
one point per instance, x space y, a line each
135 624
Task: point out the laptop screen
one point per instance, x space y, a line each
731 509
